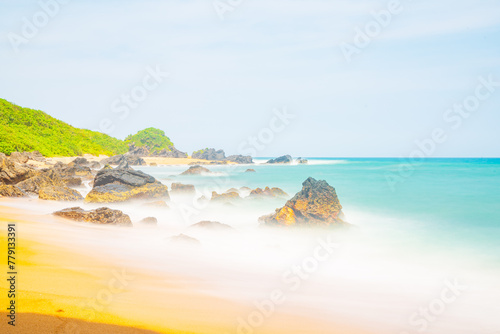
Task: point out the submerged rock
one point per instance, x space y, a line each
268 192
285 159
52 193
316 204
211 225
184 240
183 188
98 216
250 170
118 185
196 170
11 191
149 221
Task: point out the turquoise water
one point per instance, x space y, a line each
449 204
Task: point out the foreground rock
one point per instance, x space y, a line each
118 185
285 159
43 178
268 192
12 172
316 204
11 191
98 216
196 170
52 193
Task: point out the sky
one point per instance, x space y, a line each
313 78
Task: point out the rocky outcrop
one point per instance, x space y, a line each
267 192
240 159
12 172
132 160
211 225
316 204
11 191
183 188
145 151
95 165
138 151
52 193
43 178
98 216
285 159
209 154
118 185
196 170
24 157
225 197
302 161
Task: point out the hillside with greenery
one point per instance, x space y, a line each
155 139
24 129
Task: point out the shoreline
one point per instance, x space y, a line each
50 266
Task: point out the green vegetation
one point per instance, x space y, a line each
155 139
24 129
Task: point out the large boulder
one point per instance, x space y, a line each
209 154
316 204
19 157
42 178
11 191
118 185
132 160
285 159
12 172
194 170
52 193
97 216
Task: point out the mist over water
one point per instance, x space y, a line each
439 227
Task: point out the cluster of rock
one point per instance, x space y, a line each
316 204
285 159
98 216
145 151
129 159
220 155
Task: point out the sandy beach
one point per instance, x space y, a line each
65 289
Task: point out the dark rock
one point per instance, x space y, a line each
250 170
98 216
132 160
316 204
302 161
173 153
240 159
11 191
139 151
95 165
209 154
196 170
80 161
52 193
285 159
72 181
118 185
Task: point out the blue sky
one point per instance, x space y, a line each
227 76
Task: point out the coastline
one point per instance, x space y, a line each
50 269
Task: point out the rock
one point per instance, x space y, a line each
13 172
42 178
183 188
11 191
209 154
95 165
158 204
52 193
139 151
226 197
316 204
123 164
184 240
35 156
118 185
211 225
285 159
240 159
19 157
149 221
73 169
173 153
98 216
268 192
132 160
79 161
194 170
72 181
302 161
153 164
250 170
